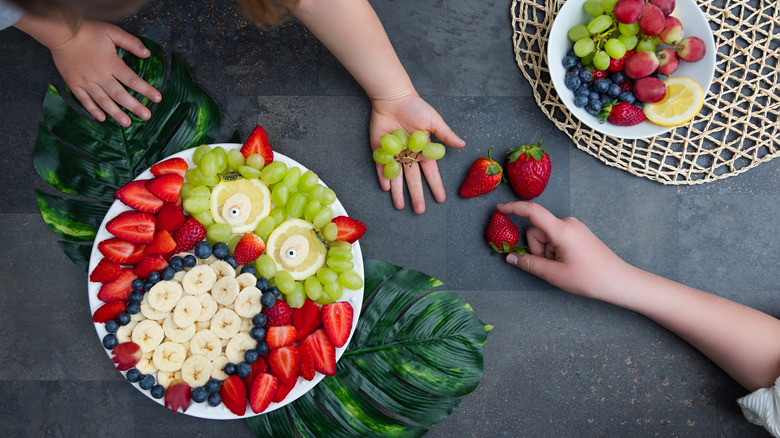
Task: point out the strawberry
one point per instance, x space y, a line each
190 233
119 289
337 322
627 85
307 369
484 176
126 355
282 389
260 366
279 314
233 393
135 195
178 395
149 264
323 351
280 336
121 251
502 234
108 311
174 165
163 243
306 318
618 64
528 170
598 74
105 271
350 230
133 226
262 392
166 187
248 248
285 363
170 217
622 114
257 143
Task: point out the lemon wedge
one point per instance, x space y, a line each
295 248
684 98
240 203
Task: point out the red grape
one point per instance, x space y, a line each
667 62
642 64
673 31
628 11
691 49
649 90
666 6
652 21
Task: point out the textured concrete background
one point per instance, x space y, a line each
555 365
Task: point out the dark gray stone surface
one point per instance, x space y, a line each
555 365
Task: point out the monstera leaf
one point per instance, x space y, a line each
414 354
86 161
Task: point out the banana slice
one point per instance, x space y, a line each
196 370
186 311
208 308
206 343
145 364
147 334
225 323
225 290
208 260
246 279
216 367
246 325
137 317
247 302
169 356
202 325
150 312
237 346
175 333
164 295
165 378
179 276
199 280
125 332
223 269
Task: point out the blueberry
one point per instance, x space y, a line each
213 385
262 348
154 277
133 308
214 399
231 261
601 85
585 76
580 101
619 77
275 290
569 61
626 96
168 273
147 381
133 375
572 82
638 104
251 356
148 285
263 284
220 250
202 250
157 391
190 261
249 269
593 107
594 96
112 326
243 370
268 299
229 368
136 296
257 333
110 341
582 91
199 394
614 90
176 263
259 320
570 52
124 318
137 284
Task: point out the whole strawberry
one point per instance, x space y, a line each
484 176
528 170
248 248
622 114
502 234
190 233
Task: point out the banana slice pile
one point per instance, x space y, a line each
191 326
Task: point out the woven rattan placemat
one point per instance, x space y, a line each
737 127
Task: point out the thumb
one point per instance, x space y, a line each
533 264
444 133
129 42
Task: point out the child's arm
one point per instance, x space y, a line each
739 339
351 30
89 64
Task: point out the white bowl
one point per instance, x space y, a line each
571 14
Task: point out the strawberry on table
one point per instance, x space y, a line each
174 165
105 271
257 143
285 363
262 392
484 176
622 114
502 234
337 321
233 393
121 251
166 187
133 226
528 170
250 247
108 311
170 217
350 230
190 233
119 289
135 195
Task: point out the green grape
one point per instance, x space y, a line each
645 45
196 204
279 214
341 244
249 172
402 137
195 176
433 151
233 242
280 194
323 217
327 276
284 282
325 299
391 144
330 231
615 48
204 218
382 157
235 159
221 155
217 232
629 29
601 60
255 161
200 151
296 204
599 24
185 190
392 170
328 196
208 165
344 252
629 41
311 210
211 181
307 182
417 141
594 8
316 193
265 227
608 5
578 32
313 288
266 266
587 59
296 298
351 280
584 46
333 290
200 192
273 173
340 264
291 178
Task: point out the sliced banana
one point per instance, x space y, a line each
164 295
150 312
246 325
186 311
199 280
169 356
247 303
145 364
125 332
137 317
179 276
246 279
206 343
225 290
196 370
147 334
237 346
208 260
216 367
175 333
208 308
202 325
165 378
223 269
225 323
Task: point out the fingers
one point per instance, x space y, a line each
384 183
92 108
539 216
443 132
536 241
128 77
128 42
431 171
414 183
533 264
397 193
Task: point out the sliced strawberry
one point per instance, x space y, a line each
260 366
126 355
135 195
163 243
248 248
109 311
233 393
171 165
178 395
306 318
133 226
323 351
190 233
285 363
105 271
170 217
280 336
257 143
307 369
149 264
282 389
279 314
119 289
337 321
118 250
262 392
350 230
166 187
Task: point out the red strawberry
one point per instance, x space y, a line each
622 114
285 363
172 165
598 74
627 85
262 392
121 251
119 289
337 321
233 393
306 318
135 195
528 170
248 248
260 366
163 243
190 233
166 187
257 143
109 311
126 355
105 271
323 351
282 389
149 264
280 336
279 314
350 230
502 234
178 395
133 226
484 176
618 64
307 369
170 217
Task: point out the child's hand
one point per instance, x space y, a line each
411 113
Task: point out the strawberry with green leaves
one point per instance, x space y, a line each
484 176
528 170
502 234
622 114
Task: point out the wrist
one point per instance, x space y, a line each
51 31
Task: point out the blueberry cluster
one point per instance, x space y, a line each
208 392
592 93
146 382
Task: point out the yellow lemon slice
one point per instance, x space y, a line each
295 248
684 98
240 203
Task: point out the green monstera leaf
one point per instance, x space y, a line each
413 353
86 160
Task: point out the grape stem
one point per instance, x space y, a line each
407 158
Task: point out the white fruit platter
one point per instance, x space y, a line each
221 412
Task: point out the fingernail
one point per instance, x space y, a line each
511 258
146 52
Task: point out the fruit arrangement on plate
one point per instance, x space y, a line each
226 281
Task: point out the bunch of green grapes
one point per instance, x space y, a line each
399 149
602 38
